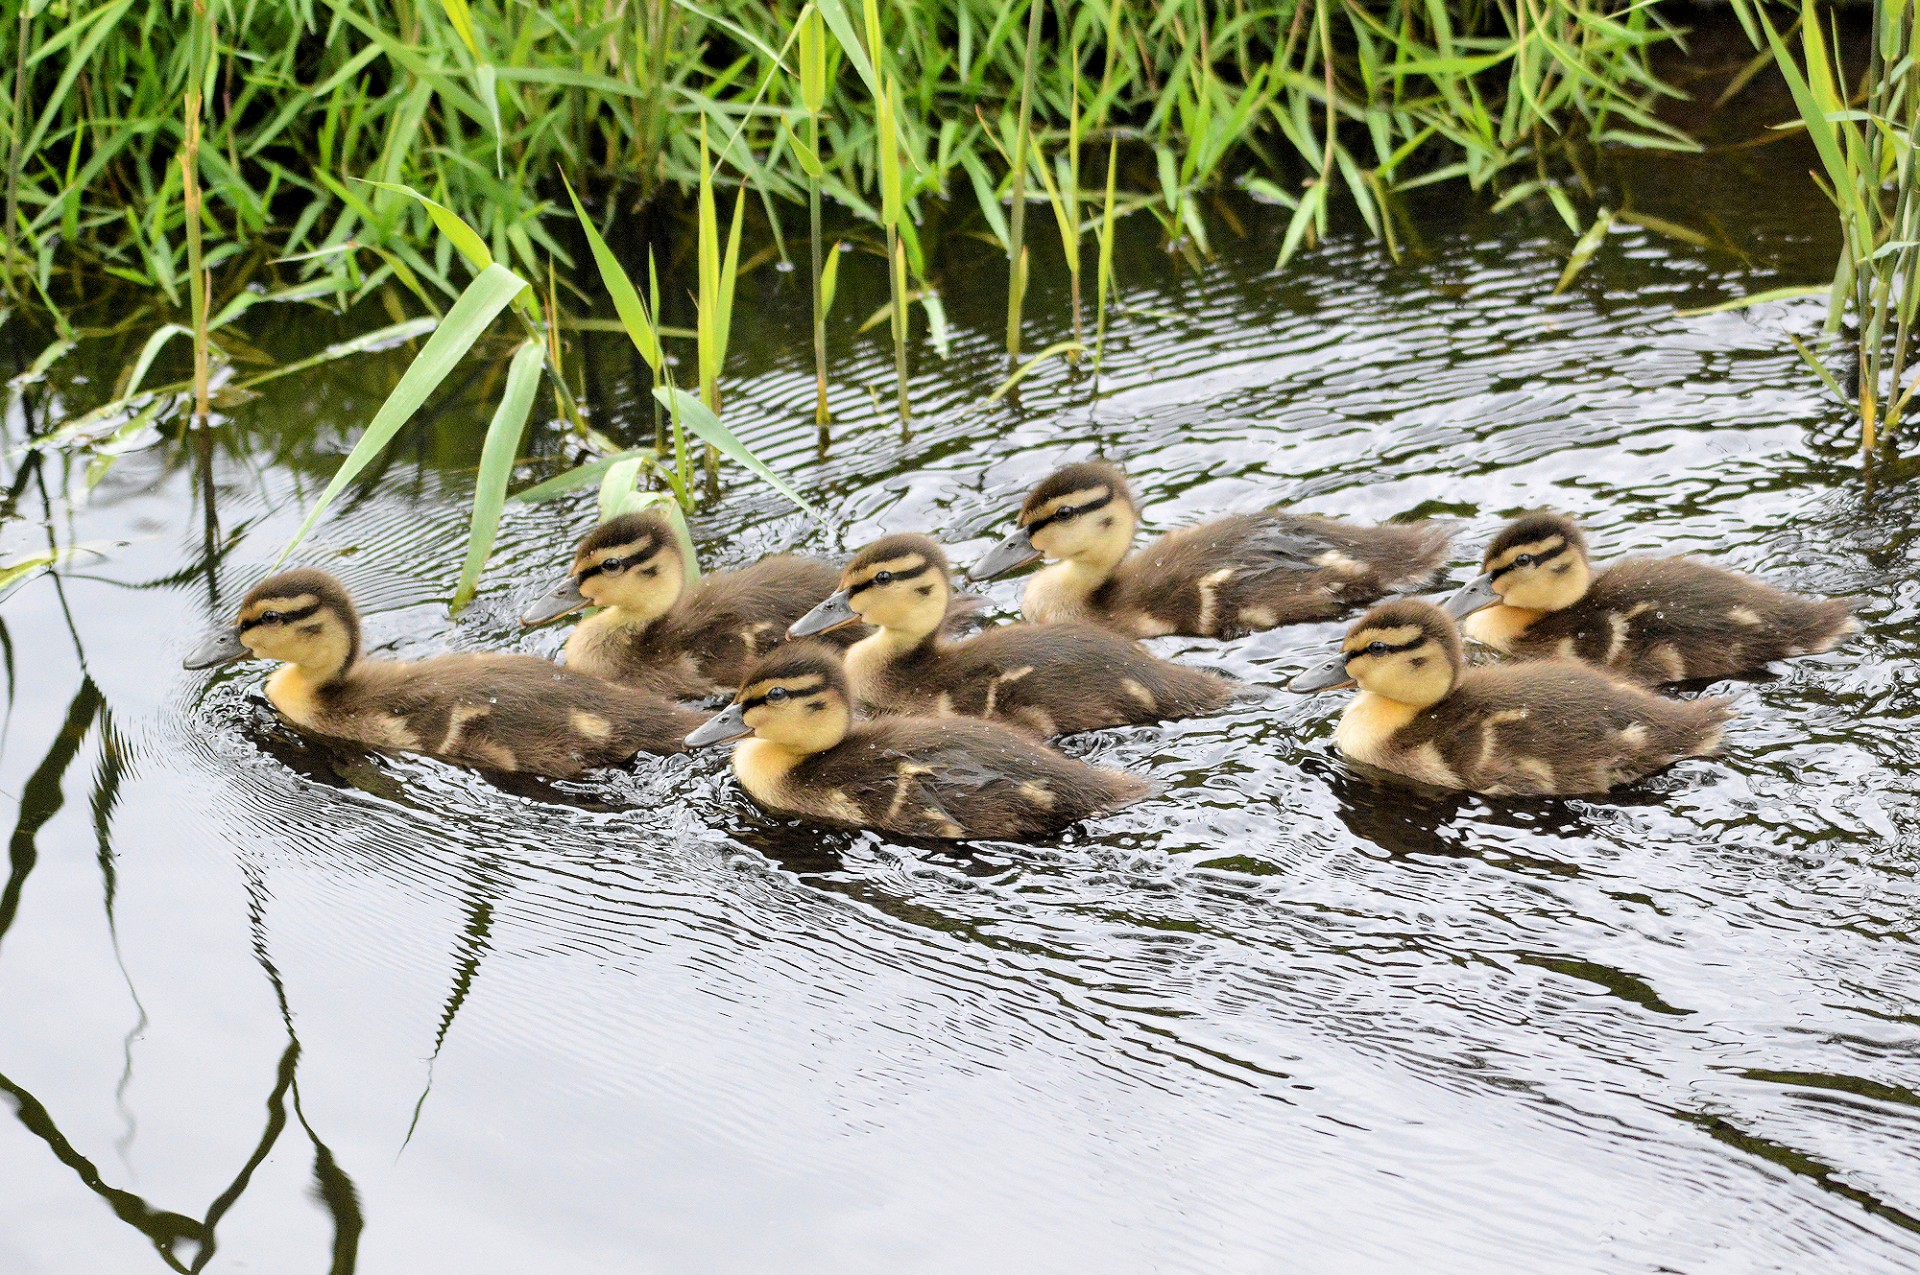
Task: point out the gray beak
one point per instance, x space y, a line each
1475 595
565 599
222 647
730 724
1010 554
1324 676
831 614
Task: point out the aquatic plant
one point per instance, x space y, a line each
478 105
1865 141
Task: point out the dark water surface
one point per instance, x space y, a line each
331 1012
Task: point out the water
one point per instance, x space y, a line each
326 1011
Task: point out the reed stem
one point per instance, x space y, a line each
1017 215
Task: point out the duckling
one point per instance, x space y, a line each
1535 729
1044 679
1651 620
948 777
497 712
1221 579
656 632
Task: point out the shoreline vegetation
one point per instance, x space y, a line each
214 155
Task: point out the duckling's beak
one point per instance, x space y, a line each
565 599
1324 676
731 724
1475 595
223 647
1014 552
831 614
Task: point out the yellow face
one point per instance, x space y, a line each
804 712
1406 663
906 593
643 576
296 629
1548 574
1093 525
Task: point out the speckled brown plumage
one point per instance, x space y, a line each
1538 728
710 631
1656 620
499 712
910 776
1055 679
1221 579
713 634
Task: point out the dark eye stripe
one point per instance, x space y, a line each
1075 510
898 576
1543 556
629 560
804 692
1391 649
286 617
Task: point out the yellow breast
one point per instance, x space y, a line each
1366 729
1058 593
293 695
762 768
1500 626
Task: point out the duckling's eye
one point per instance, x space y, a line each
1524 560
613 565
1376 648
1066 515
271 617
777 695
883 577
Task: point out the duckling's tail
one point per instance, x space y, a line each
1828 621
1705 728
1410 554
1123 788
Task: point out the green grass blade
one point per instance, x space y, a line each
626 299
830 279
497 454
1583 250
149 352
842 26
1056 350
477 307
582 475
694 414
464 238
1758 298
462 19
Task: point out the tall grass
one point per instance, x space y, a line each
811 36
478 105
1864 137
407 145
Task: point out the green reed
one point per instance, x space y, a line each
400 147
478 104
811 37
1864 137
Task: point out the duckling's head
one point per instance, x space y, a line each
1084 513
796 697
1537 562
1408 651
299 617
631 563
900 583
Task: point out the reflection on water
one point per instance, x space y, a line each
272 1004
